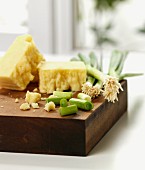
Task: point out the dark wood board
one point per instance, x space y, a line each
38 131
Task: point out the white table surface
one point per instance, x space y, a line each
123 147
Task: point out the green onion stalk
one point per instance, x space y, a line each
116 65
106 84
111 82
115 69
92 90
92 86
109 85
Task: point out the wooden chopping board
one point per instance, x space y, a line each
38 131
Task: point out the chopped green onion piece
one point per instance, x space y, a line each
64 111
81 104
63 103
65 95
56 100
84 96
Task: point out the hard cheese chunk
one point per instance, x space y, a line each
19 64
61 76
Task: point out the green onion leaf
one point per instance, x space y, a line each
93 60
122 76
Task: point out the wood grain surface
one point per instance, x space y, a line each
38 131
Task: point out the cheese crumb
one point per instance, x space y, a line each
52 96
25 106
32 97
43 98
16 100
35 105
35 90
49 106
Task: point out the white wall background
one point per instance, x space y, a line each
130 16
51 24
48 21
127 18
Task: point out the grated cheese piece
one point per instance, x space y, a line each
32 97
16 100
35 90
25 106
35 105
49 106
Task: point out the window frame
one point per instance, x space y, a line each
50 22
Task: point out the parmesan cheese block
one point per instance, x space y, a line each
61 76
19 64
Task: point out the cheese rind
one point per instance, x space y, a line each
61 76
19 64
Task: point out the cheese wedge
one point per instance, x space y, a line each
61 76
19 64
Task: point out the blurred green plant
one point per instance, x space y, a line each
102 32
101 5
141 29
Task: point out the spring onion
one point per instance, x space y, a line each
64 111
81 104
116 62
84 96
116 65
56 100
66 95
93 60
92 87
63 103
125 75
108 85
105 84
